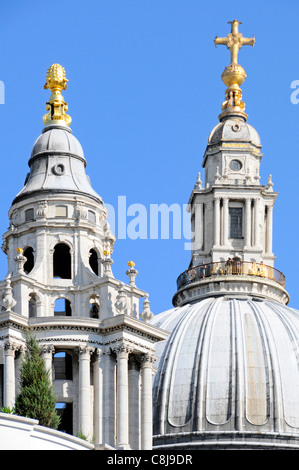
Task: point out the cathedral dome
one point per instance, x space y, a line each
234 129
228 375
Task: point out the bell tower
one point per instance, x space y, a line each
97 342
231 211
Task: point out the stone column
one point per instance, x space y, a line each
256 222
122 396
147 403
9 374
98 395
225 221
269 229
248 222
48 351
217 221
84 353
108 419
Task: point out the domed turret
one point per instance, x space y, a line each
57 163
96 340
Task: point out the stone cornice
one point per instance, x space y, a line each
11 319
252 286
97 283
118 324
49 192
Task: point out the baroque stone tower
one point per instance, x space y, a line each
97 345
231 211
228 375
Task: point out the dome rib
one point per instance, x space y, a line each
220 364
198 410
256 369
167 367
239 359
287 347
184 345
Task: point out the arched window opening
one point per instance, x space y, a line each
62 261
29 263
93 261
63 366
62 308
94 307
32 306
94 311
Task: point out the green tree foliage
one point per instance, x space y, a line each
36 399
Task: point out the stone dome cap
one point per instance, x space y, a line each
234 129
57 165
57 138
228 371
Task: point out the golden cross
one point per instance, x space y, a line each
234 41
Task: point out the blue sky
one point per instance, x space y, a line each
144 93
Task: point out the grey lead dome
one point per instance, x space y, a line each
228 373
234 129
57 138
57 165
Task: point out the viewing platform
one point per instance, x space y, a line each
228 268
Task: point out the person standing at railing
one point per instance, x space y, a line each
192 273
228 266
203 268
262 269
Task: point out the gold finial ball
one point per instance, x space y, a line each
56 77
19 250
233 74
106 252
131 264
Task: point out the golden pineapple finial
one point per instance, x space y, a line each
234 75
56 81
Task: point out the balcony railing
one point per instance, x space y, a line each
227 268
